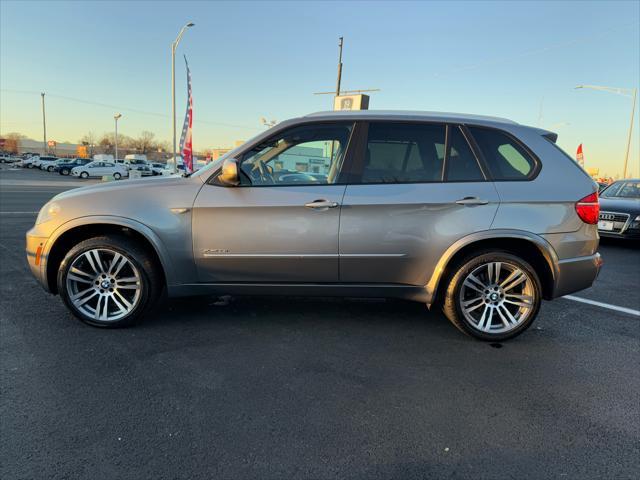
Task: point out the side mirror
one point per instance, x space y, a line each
229 173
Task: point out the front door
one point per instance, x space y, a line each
410 201
281 223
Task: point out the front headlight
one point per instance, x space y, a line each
47 212
637 219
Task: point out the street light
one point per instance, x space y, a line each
626 92
174 47
116 117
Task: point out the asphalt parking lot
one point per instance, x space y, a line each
296 388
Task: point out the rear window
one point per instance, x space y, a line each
506 159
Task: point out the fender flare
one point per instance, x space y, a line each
125 222
543 245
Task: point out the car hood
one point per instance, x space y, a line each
124 186
622 205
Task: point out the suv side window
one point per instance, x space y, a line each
305 155
403 153
461 164
507 160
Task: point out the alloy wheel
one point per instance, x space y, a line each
497 297
103 284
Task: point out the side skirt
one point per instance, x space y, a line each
407 292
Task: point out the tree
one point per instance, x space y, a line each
89 141
107 142
145 142
14 136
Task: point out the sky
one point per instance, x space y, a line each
519 60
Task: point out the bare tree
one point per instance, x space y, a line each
145 142
107 143
89 140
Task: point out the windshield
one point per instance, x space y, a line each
208 168
627 189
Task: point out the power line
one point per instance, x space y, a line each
119 107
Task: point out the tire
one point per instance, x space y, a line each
137 297
117 176
50 169
65 171
489 313
84 175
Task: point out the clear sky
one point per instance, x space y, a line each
252 59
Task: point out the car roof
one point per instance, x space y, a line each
410 115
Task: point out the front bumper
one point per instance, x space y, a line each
574 274
631 233
36 259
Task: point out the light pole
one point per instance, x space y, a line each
174 47
116 117
44 128
627 92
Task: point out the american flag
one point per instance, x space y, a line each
186 146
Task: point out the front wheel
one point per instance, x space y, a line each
65 171
84 175
49 169
109 281
493 296
117 176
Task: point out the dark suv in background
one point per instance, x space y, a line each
65 167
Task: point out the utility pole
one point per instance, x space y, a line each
44 127
339 67
627 92
338 90
633 111
116 117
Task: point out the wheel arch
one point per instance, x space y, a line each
532 248
71 233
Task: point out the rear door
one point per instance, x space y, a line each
416 189
281 224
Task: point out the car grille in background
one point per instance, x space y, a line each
619 220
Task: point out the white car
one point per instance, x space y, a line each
160 169
100 169
8 159
49 164
37 161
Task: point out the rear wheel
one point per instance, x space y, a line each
493 296
65 171
117 176
49 169
109 281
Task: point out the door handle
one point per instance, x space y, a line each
320 204
472 201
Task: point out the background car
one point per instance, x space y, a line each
37 161
48 165
65 165
100 169
160 169
5 158
620 210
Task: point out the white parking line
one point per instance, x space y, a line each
18 213
630 311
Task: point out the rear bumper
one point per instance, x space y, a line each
576 274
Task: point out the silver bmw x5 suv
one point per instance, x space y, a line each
479 216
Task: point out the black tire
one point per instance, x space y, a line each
150 277
117 176
49 169
451 305
65 171
84 175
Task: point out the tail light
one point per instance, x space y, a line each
588 208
